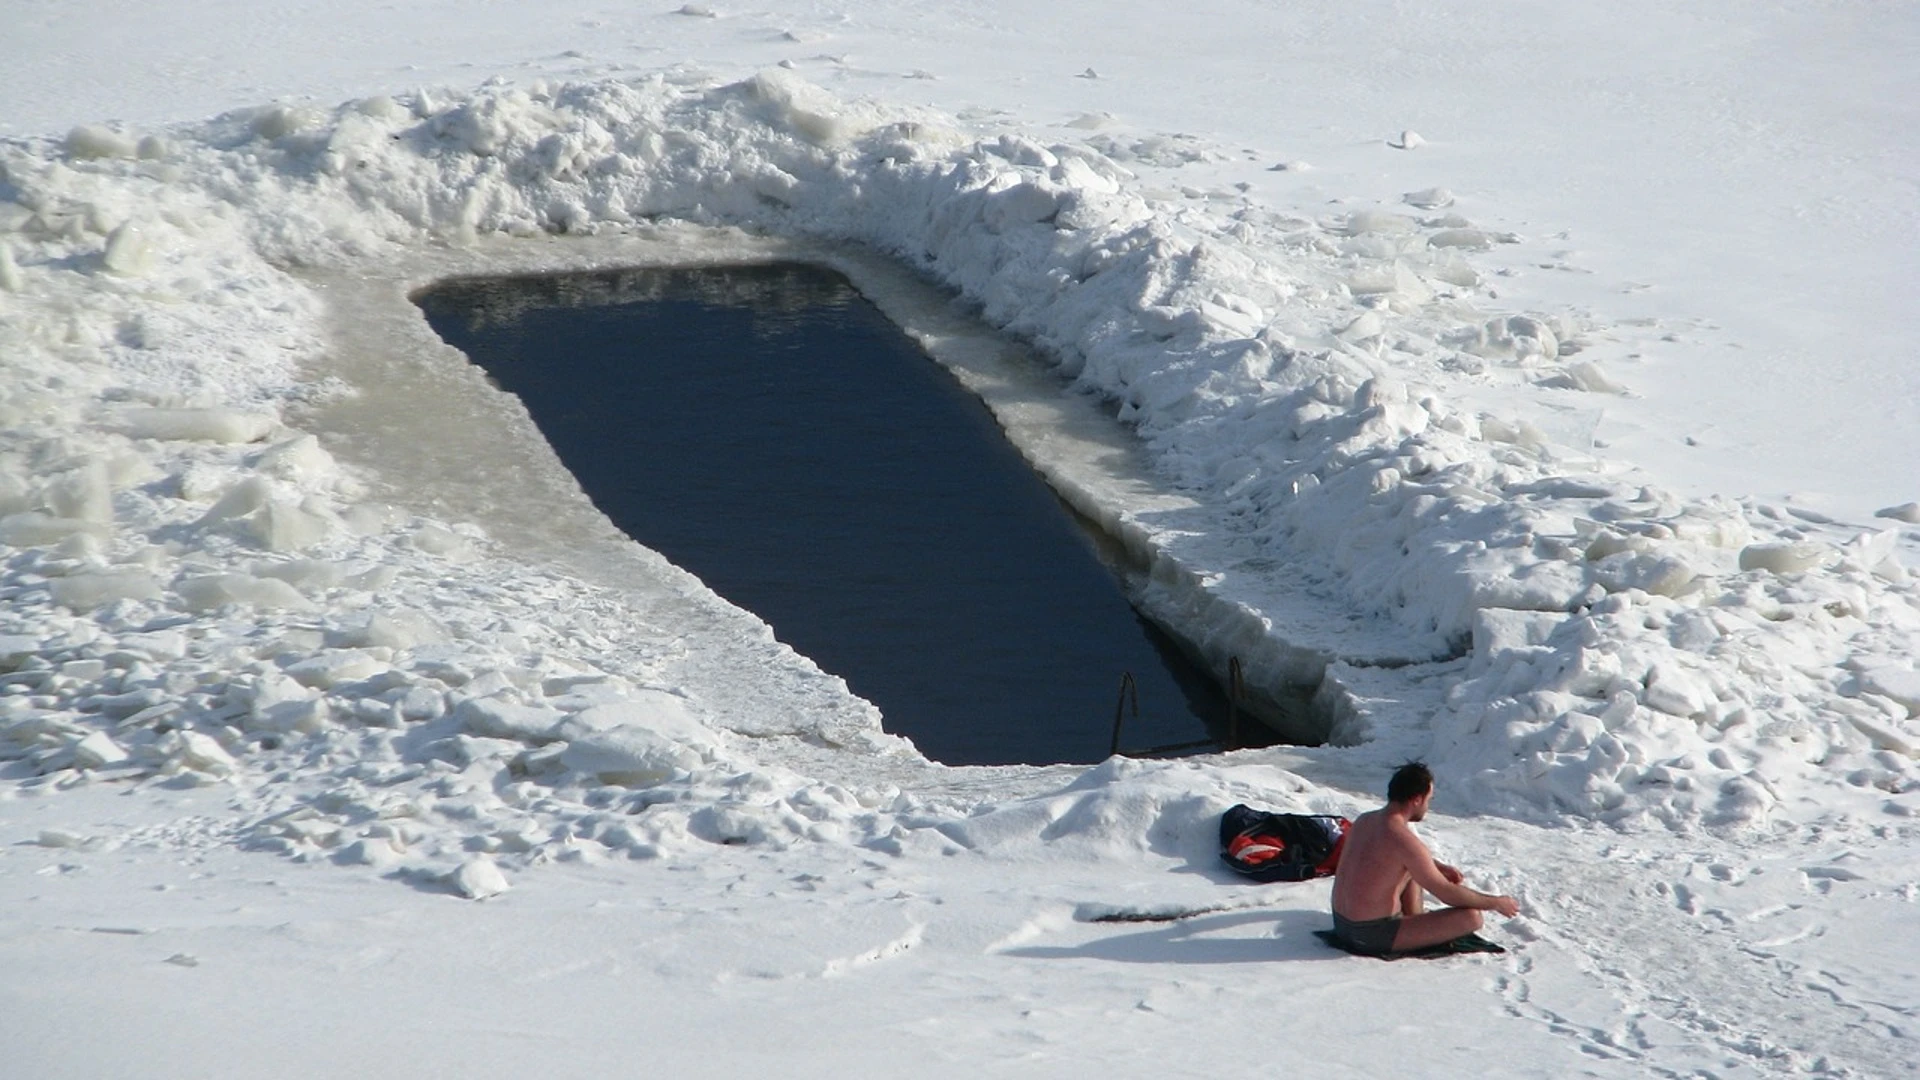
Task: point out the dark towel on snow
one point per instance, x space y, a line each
1469 943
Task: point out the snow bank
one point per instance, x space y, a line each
197 593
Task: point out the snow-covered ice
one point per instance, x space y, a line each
1544 442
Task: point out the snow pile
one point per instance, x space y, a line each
1121 809
197 591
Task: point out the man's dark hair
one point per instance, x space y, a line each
1410 781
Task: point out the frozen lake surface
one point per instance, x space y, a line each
1534 382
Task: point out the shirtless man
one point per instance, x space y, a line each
1378 902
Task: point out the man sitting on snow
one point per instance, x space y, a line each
1378 901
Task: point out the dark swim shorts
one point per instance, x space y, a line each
1373 937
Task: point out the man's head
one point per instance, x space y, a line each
1411 787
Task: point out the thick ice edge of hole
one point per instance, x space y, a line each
431 428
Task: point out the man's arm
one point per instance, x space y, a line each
1447 887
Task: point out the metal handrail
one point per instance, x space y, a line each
1127 687
1129 690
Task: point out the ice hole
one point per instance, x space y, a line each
770 430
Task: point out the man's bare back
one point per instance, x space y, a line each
1385 871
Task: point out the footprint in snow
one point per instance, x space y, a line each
1821 879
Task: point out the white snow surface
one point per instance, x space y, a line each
1525 380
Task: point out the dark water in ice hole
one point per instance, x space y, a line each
770 430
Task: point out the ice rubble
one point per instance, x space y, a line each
196 591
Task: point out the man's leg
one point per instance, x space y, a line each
1435 927
1413 899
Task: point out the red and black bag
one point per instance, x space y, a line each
1267 846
